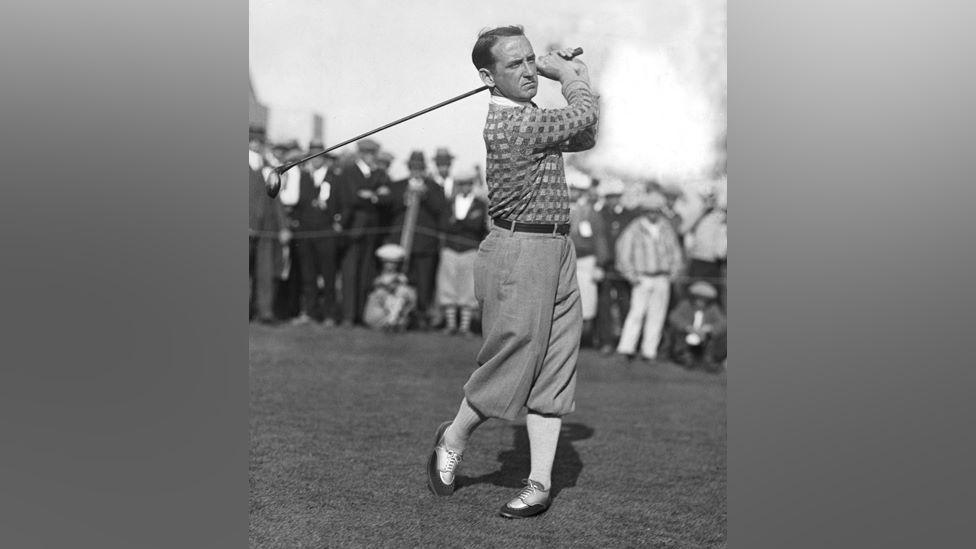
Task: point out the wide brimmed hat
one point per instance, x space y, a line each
416 159
367 146
443 156
257 131
703 289
391 252
384 157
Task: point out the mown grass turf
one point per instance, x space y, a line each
342 421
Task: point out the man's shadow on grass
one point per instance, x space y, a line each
515 463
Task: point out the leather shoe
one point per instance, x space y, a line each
532 500
441 465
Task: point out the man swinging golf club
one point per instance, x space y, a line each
525 271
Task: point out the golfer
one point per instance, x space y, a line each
525 270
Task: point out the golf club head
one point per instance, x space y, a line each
273 183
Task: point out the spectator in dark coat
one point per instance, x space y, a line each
613 291
268 230
360 224
317 218
466 227
431 216
585 230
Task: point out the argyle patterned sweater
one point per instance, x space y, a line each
526 181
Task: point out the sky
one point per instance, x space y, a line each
659 66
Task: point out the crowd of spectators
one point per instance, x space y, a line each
345 245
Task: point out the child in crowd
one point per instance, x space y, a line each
392 300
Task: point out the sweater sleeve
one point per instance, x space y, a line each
535 129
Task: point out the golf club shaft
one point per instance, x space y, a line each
285 167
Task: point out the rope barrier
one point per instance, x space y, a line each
363 231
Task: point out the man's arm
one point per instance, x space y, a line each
536 129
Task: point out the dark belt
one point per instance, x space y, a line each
542 228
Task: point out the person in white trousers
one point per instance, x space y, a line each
649 256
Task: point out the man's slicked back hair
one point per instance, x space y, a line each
481 53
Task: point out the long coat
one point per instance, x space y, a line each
431 215
359 215
310 217
465 234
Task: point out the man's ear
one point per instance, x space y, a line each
486 77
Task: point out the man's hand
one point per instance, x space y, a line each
559 65
284 236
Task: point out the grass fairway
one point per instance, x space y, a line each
342 421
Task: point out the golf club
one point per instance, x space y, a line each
273 182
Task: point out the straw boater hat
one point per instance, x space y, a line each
703 289
443 156
391 252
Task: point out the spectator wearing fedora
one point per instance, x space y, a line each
443 160
429 224
649 256
613 290
317 220
382 184
584 229
288 294
466 227
360 225
268 230
708 245
698 329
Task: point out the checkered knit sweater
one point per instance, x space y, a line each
525 174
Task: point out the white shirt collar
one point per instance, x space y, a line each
363 167
318 176
254 160
506 102
462 204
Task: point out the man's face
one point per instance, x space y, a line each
444 169
369 158
514 73
255 145
316 162
654 215
464 188
416 171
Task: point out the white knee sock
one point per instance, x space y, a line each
543 437
466 421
